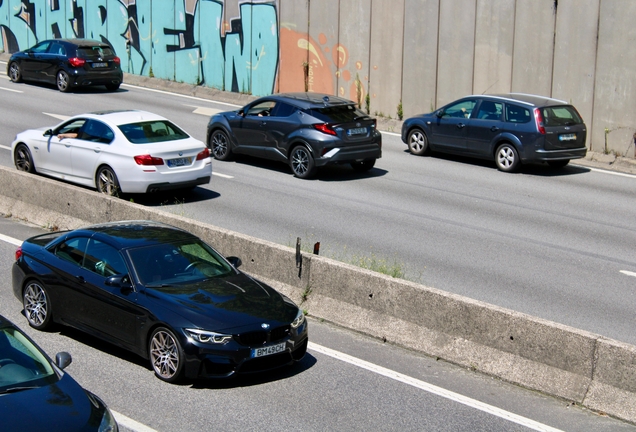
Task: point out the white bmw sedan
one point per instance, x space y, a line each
116 151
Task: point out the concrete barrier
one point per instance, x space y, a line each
582 367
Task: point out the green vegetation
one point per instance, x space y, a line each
400 113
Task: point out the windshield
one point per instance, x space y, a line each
21 363
152 132
177 263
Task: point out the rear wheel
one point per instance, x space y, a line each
37 306
15 73
558 163
363 166
302 162
63 81
220 145
166 355
418 144
23 159
507 158
107 182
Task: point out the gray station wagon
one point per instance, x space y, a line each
511 129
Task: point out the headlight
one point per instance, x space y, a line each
300 318
207 336
108 423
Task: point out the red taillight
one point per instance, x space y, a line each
148 160
18 253
204 154
76 62
117 60
538 118
325 128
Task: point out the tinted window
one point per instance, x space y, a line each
261 109
560 116
517 114
97 131
72 250
338 114
41 47
94 52
489 110
461 109
152 131
103 259
57 49
73 126
27 363
283 110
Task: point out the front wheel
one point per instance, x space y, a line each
220 145
418 143
107 182
302 162
558 163
166 355
363 166
507 158
63 81
23 159
37 306
15 73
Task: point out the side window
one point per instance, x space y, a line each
57 49
72 250
283 109
517 114
103 259
489 110
72 127
262 109
461 109
97 131
41 47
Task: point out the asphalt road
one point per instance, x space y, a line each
347 382
557 244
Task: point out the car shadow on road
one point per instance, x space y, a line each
96 89
172 198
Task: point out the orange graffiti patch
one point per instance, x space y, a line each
346 75
296 50
340 56
322 38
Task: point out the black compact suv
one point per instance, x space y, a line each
510 129
68 63
305 130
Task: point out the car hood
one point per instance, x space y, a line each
226 304
62 406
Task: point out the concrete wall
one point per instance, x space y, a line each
588 369
423 53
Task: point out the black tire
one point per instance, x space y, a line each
112 87
166 355
106 181
302 162
15 73
507 158
22 159
417 142
558 163
363 166
37 306
219 145
63 81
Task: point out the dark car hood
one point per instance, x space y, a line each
225 304
62 406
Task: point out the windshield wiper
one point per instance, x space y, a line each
17 389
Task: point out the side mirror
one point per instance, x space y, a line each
63 359
119 281
439 113
241 113
48 132
235 261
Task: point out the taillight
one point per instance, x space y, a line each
148 160
117 60
538 118
204 154
18 253
325 128
76 62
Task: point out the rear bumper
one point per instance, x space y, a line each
159 187
81 78
343 155
552 155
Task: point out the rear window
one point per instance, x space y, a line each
95 52
564 115
338 114
517 114
152 131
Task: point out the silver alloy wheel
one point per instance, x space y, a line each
107 182
36 305
220 148
23 160
164 355
507 159
15 73
63 81
302 163
418 145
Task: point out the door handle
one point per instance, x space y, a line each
80 279
263 123
494 128
460 125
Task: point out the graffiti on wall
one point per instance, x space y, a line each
192 41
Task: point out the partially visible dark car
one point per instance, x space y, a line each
161 293
510 129
36 395
68 63
305 130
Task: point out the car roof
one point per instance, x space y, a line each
308 100
120 117
528 99
135 233
81 42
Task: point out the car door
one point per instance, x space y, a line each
35 61
56 158
484 126
93 139
251 129
449 130
281 123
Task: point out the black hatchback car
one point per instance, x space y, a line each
510 129
161 293
305 130
67 63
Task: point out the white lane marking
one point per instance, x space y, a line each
131 424
11 90
391 133
206 111
628 273
180 95
57 116
5 147
222 175
433 389
607 171
11 240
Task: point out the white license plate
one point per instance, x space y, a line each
567 137
357 131
100 65
179 162
268 350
